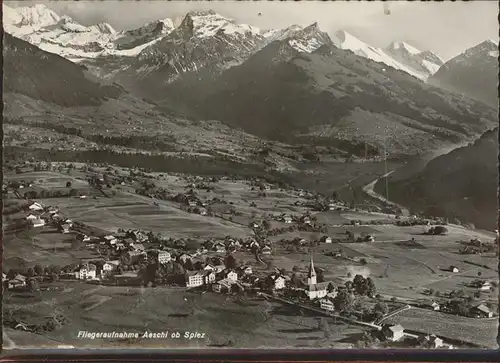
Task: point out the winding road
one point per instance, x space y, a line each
369 189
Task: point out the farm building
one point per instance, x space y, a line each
39 222
36 207
482 311
326 239
454 269
393 332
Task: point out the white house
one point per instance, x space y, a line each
164 257
326 304
86 272
17 281
287 219
435 306
222 286
266 250
454 269
393 332
110 239
219 247
435 341
83 237
326 239
39 222
36 207
184 257
194 279
209 267
486 286
64 228
278 281
208 277
109 266
231 275
31 217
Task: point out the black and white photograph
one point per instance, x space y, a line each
250 175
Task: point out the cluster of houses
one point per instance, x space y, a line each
39 216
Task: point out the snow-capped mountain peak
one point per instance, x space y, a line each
104 28
204 24
403 46
35 16
398 55
302 39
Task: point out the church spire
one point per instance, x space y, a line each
311 278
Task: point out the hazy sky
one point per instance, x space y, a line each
446 28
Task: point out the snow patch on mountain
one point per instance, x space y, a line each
403 45
346 41
206 24
104 28
35 16
302 39
431 67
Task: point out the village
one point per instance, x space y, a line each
274 255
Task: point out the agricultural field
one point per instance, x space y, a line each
134 309
482 332
400 268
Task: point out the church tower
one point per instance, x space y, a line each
311 278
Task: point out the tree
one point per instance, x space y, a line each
11 274
330 287
38 270
30 272
370 287
230 262
382 307
188 265
32 285
343 301
68 184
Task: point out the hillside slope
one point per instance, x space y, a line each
282 94
462 184
473 73
33 72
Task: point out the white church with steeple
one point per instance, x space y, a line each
315 290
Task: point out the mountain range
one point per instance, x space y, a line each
32 72
307 86
62 35
473 73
